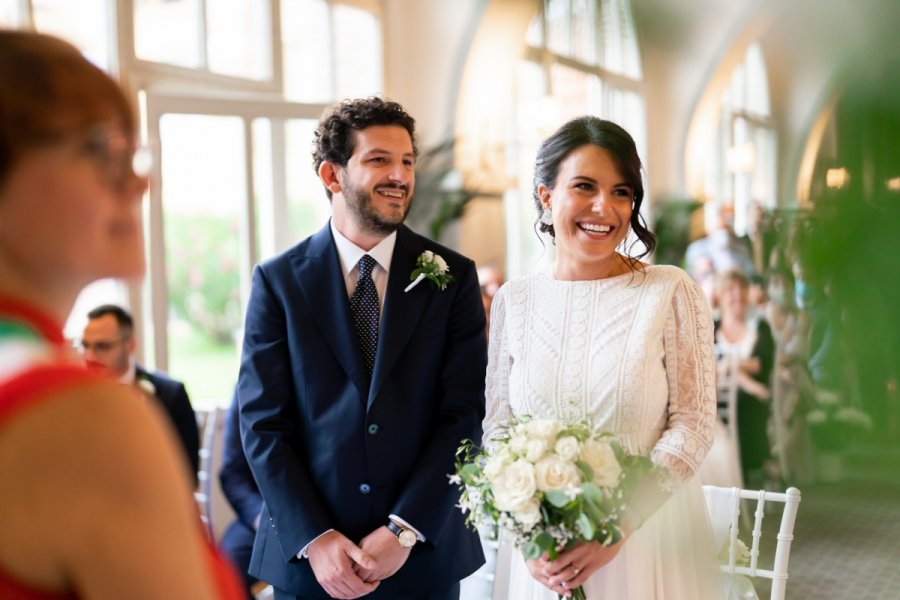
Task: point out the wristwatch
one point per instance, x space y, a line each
406 537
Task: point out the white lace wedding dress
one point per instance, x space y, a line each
635 353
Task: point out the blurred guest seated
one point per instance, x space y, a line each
751 340
242 493
108 345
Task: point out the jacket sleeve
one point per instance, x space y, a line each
235 476
268 423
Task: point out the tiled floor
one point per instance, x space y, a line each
847 534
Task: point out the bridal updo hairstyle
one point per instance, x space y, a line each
609 136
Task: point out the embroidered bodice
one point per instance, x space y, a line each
632 352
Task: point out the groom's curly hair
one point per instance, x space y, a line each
334 141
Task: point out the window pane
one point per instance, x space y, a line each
757 82
168 31
308 207
105 291
238 38
305 26
264 190
584 29
557 14
620 49
357 37
10 15
85 24
204 199
535 34
572 89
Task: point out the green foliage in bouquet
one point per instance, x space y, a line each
550 484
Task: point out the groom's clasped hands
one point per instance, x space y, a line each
346 570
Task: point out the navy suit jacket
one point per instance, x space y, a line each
235 476
174 400
331 451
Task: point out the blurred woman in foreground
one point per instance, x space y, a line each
95 499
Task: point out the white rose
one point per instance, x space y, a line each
513 486
542 428
529 514
554 473
428 255
535 448
496 461
567 447
601 458
518 442
441 264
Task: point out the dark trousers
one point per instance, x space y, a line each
451 594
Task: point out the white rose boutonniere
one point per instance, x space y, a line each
432 267
146 386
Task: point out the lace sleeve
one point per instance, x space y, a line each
690 373
497 380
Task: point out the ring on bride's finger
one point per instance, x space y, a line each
564 585
577 571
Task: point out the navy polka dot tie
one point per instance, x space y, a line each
364 305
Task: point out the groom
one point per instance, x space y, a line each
354 391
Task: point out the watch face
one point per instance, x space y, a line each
407 538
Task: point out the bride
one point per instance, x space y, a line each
629 345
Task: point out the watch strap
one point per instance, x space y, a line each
394 528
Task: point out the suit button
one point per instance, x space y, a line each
364 488
373 429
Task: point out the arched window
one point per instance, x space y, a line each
581 57
229 92
745 168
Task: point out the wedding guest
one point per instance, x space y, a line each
95 499
108 346
243 495
750 339
721 247
792 387
608 337
358 385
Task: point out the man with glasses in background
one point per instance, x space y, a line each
108 345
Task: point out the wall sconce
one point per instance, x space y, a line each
837 178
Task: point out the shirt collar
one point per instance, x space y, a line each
130 375
350 253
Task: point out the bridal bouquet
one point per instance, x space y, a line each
549 484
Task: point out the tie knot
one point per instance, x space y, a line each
366 263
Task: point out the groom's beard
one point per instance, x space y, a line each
360 203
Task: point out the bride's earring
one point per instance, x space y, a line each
547 217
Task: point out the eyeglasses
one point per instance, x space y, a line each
98 347
115 154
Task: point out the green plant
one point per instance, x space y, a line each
440 196
202 253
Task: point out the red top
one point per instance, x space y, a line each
36 383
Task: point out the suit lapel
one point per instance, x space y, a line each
319 271
402 310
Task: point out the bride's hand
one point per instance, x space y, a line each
537 569
574 566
